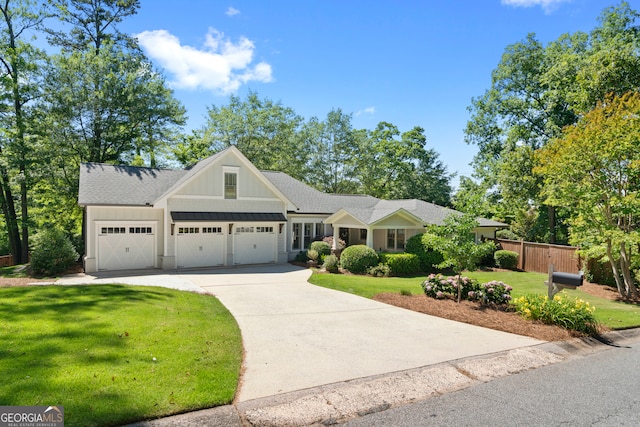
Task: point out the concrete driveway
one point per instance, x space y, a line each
297 335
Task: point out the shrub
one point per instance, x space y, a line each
507 234
401 264
506 259
422 245
439 286
380 270
358 258
301 257
312 255
569 313
322 248
331 264
52 252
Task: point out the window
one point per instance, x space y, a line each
113 230
319 229
308 230
264 229
139 230
395 239
244 229
363 234
230 185
296 245
188 230
391 239
217 230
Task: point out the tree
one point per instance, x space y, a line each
536 91
20 84
266 132
594 168
333 153
455 240
401 168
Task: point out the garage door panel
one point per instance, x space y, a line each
200 246
126 247
254 244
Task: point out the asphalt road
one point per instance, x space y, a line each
600 389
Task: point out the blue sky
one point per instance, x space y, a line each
410 63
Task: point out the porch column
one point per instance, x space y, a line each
336 237
370 237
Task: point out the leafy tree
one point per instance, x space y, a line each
537 90
401 168
594 168
333 153
266 132
20 82
455 240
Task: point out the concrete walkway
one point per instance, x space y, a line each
297 335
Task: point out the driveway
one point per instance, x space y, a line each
297 335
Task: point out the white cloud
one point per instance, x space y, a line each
547 5
368 110
221 65
232 11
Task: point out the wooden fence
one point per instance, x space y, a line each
537 256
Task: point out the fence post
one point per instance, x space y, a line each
521 255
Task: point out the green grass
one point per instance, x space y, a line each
612 314
91 349
17 271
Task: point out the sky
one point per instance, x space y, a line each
407 62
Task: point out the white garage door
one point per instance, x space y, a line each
200 246
254 244
126 247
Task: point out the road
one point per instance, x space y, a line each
600 389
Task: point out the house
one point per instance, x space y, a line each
224 212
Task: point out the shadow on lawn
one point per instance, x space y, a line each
56 340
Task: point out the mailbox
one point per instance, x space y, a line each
567 279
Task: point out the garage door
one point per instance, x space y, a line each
254 244
126 247
200 246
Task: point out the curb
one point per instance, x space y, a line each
340 402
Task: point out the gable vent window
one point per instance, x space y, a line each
230 185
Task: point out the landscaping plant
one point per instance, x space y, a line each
358 258
570 313
52 252
401 264
331 264
506 259
440 287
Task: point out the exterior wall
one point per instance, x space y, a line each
380 237
485 233
119 214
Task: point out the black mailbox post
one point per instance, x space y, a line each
559 280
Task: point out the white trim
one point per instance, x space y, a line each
201 197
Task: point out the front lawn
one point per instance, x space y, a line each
114 354
612 314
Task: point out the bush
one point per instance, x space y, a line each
380 270
331 264
401 264
569 313
312 255
440 287
301 257
52 253
422 246
322 248
507 234
506 259
358 258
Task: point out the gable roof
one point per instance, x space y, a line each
102 184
